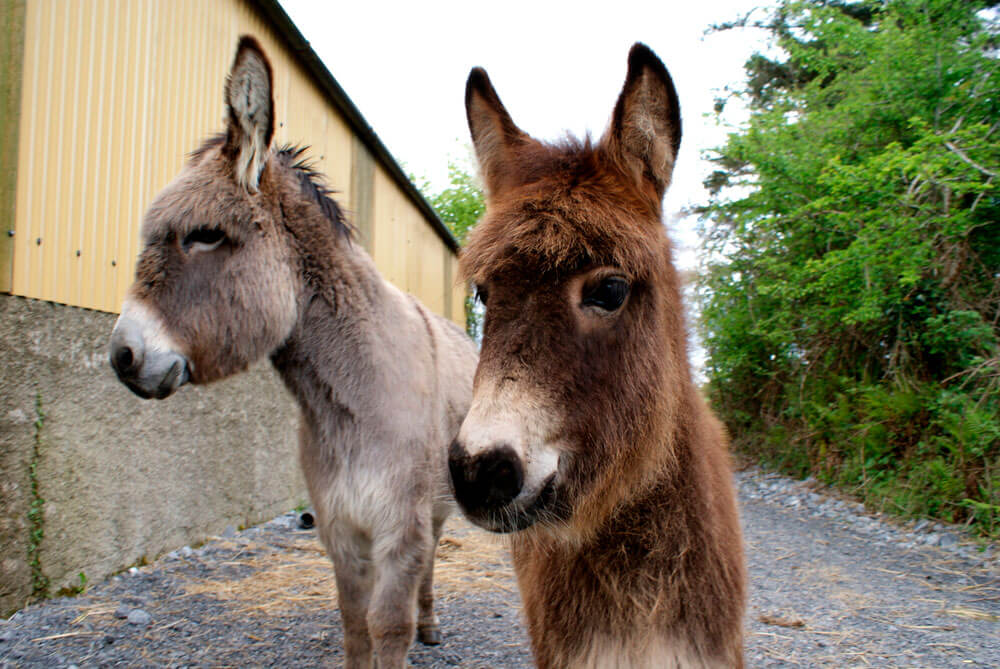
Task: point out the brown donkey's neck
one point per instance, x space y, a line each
665 562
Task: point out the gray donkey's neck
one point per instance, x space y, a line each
330 362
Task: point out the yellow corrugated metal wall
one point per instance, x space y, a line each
115 94
411 254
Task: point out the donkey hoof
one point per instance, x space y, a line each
429 636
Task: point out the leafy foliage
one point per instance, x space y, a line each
852 298
461 205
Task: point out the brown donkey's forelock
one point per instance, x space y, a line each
571 209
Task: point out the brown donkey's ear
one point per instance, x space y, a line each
251 112
494 134
645 131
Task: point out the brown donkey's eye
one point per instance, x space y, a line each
608 295
203 239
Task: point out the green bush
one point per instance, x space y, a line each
851 298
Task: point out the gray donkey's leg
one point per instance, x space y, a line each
400 564
428 625
355 579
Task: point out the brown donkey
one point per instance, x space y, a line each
246 256
587 437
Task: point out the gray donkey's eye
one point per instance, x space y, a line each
203 239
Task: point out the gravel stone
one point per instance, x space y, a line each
139 617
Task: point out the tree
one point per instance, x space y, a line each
461 205
851 306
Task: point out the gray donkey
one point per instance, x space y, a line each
246 255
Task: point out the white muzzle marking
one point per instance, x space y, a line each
518 420
143 354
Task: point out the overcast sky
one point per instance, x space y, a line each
557 66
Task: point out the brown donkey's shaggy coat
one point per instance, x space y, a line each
246 256
587 437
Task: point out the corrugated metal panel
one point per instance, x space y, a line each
363 193
11 71
390 234
115 93
411 254
429 272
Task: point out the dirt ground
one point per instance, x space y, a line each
823 594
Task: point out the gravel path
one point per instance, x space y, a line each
831 586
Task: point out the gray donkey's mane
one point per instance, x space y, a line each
312 182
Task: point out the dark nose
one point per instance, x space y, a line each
126 354
489 480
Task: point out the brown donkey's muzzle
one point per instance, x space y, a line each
148 371
487 482
487 487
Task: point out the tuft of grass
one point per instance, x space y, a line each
74 590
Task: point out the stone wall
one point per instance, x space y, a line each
94 479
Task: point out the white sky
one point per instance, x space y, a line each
557 66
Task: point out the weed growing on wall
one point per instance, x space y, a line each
36 511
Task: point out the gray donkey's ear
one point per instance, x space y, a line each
250 103
645 132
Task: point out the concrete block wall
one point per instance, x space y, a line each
94 479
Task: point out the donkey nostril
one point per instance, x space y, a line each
123 359
126 359
502 480
500 476
126 352
489 480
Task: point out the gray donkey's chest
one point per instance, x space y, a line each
372 465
